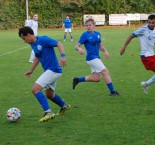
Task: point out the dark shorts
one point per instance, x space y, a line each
149 62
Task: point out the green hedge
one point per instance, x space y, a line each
13 13
52 12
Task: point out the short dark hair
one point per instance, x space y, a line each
151 17
90 20
25 30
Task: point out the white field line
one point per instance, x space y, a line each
10 52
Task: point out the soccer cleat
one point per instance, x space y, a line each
63 109
30 61
115 94
64 39
75 82
48 116
71 39
145 87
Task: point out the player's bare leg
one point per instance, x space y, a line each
107 78
95 77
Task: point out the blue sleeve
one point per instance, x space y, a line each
83 39
49 42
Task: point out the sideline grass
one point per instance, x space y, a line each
95 118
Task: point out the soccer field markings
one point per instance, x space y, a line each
10 52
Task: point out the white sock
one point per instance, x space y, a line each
47 111
150 81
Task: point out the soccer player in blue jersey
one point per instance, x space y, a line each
68 25
43 47
92 42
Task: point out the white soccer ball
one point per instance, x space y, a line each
13 114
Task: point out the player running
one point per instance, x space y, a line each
92 42
146 35
43 48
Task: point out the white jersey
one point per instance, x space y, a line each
34 26
147 40
28 23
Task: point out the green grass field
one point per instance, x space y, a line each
95 118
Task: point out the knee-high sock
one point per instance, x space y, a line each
57 100
110 87
43 101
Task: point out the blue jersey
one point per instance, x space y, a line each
91 42
68 23
44 51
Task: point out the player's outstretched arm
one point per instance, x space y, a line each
122 50
102 48
34 65
79 49
62 53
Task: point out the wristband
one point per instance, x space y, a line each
63 55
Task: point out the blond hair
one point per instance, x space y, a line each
90 20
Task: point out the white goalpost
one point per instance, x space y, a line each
27 9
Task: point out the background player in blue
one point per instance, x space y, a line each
92 42
68 25
43 47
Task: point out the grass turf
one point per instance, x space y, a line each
95 118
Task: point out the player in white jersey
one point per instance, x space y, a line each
34 26
146 35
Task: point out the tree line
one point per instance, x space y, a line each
52 12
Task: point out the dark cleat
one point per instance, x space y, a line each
75 82
63 109
115 94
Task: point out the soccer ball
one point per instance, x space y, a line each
13 114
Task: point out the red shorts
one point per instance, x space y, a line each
149 62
